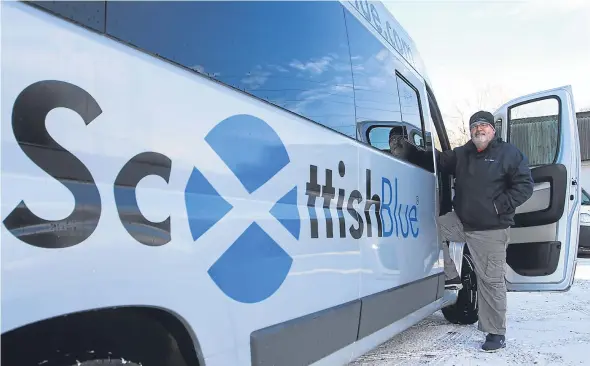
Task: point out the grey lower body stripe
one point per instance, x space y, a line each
307 339
385 308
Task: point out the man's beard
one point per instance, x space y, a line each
481 140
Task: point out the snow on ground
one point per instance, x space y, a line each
542 329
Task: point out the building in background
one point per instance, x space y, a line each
584 131
543 130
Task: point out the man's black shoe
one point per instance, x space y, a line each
494 342
454 284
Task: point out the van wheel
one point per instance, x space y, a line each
465 310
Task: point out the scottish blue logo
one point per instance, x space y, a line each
255 265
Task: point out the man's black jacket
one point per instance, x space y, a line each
489 185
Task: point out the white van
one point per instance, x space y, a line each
209 183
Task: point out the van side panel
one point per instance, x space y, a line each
188 195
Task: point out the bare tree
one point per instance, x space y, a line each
487 98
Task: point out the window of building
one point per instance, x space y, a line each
292 54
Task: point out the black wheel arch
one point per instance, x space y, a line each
149 335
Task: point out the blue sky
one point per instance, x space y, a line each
483 53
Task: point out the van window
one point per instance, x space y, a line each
386 99
375 81
418 141
410 107
302 65
441 143
585 198
435 138
533 127
89 14
379 137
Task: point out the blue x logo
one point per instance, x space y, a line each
254 266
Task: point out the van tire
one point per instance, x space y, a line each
465 309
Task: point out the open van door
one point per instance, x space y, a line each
542 250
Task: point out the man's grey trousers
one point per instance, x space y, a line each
488 249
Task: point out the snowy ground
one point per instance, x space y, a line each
543 329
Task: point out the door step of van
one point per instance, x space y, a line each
453 284
454 287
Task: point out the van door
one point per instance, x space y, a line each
542 250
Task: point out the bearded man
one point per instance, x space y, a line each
492 178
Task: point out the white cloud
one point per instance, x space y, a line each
342 88
198 68
382 55
377 82
519 46
279 68
256 79
316 66
322 93
528 10
341 67
531 9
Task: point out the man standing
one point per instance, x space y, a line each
492 179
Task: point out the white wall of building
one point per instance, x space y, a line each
585 178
